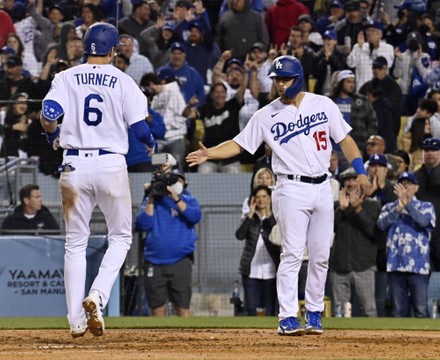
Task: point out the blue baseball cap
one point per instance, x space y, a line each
166 74
336 3
197 24
330 34
431 144
375 25
168 26
234 61
405 4
378 159
7 50
178 46
407 176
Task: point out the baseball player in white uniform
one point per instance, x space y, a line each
97 102
297 126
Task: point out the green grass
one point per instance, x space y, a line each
225 323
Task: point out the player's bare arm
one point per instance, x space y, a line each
222 151
353 155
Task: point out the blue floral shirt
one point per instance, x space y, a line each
408 236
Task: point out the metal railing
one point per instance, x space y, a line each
14 174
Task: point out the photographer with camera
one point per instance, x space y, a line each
168 214
409 69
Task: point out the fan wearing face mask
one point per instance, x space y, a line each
169 221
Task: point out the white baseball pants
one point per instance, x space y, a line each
305 215
97 180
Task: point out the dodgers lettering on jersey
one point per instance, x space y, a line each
302 125
96 79
300 138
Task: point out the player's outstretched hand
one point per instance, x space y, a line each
365 186
197 157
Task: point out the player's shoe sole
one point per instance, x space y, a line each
313 331
78 330
95 320
290 327
296 332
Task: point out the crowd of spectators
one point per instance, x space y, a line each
376 60
390 48
203 66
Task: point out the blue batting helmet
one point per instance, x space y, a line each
100 38
288 66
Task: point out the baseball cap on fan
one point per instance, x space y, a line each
380 62
405 4
183 3
7 50
196 24
258 45
13 61
344 74
166 74
178 46
336 3
330 34
305 17
352 5
235 61
375 25
431 144
168 26
378 159
348 173
407 176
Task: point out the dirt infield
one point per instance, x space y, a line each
219 344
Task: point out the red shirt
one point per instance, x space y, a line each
6 27
280 17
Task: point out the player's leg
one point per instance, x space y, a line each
290 201
319 240
78 204
112 191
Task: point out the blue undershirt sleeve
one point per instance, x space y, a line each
143 134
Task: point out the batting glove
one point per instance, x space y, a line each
54 138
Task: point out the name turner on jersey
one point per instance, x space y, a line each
96 79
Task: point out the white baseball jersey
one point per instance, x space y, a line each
26 30
298 137
99 103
